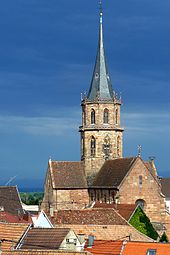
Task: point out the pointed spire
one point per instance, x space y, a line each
101 87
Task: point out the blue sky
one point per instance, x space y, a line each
47 55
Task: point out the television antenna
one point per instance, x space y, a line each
10 180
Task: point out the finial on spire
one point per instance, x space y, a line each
101 11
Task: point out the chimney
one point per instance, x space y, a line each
90 241
51 211
81 237
1 209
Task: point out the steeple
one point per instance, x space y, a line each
101 87
101 131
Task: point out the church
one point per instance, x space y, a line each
103 174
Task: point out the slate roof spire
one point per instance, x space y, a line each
101 87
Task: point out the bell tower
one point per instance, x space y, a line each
101 131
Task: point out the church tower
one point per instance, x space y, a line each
101 132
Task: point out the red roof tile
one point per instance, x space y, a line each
89 216
11 218
44 238
125 210
11 232
113 172
141 248
68 175
10 200
105 247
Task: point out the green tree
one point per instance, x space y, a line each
32 198
142 223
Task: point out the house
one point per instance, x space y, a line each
50 239
105 247
10 234
32 209
11 210
128 248
102 223
7 217
10 200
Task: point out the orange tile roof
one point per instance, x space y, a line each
141 248
105 247
12 232
43 252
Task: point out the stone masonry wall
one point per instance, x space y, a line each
131 190
72 199
100 130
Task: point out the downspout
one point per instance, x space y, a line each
123 246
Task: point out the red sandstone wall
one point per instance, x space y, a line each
149 191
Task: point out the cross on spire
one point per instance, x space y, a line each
101 11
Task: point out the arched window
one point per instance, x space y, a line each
83 117
106 116
140 181
82 146
93 119
141 203
93 146
118 146
116 116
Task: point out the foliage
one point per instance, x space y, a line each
31 198
164 238
142 223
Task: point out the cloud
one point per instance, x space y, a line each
46 126
153 124
69 119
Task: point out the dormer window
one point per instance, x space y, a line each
93 118
106 116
